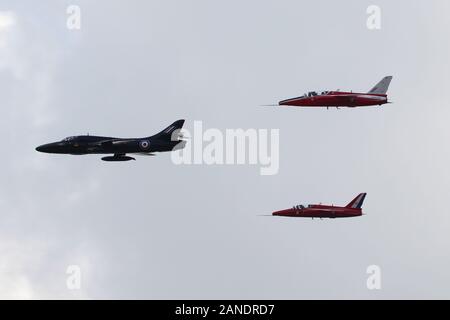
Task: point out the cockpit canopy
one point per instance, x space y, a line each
315 93
68 139
301 207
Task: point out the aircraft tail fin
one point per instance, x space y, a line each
167 132
357 202
382 86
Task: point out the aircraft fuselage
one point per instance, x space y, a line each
353 209
319 212
166 140
80 145
337 99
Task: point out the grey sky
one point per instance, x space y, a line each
151 229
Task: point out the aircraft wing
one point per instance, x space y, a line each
111 142
145 154
345 97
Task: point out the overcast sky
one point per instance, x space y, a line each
153 229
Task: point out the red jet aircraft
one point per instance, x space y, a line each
353 209
376 96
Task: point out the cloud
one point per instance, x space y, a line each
14 281
150 229
32 246
37 269
7 20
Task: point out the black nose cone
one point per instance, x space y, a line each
47 148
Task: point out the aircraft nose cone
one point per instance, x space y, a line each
282 213
44 148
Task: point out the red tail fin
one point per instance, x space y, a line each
357 202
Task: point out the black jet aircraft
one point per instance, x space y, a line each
167 140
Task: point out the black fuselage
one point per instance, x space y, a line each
107 145
164 141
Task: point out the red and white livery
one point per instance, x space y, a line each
376 96
353 209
